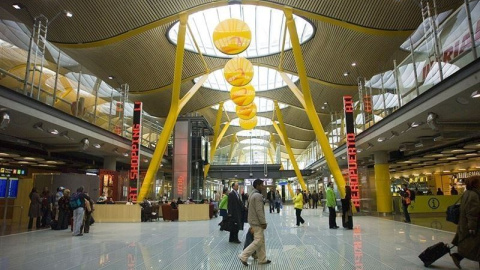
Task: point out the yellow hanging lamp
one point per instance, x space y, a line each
242 95
232 36
248 124
238 71
246 112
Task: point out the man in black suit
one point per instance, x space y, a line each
235 213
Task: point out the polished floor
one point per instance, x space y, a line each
375 243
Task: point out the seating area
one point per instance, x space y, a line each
151 212
169 213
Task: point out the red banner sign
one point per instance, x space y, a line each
351 150
135 154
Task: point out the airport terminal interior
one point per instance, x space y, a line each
150 103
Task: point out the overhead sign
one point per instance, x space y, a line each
351 150
135 154
13 171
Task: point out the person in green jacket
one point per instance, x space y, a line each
331 204
223 206
298 204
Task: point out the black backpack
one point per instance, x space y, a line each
412 195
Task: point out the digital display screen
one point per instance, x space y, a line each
13 189
3 187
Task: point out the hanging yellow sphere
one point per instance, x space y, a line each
242 95
246 112
238 71
248 124
232 36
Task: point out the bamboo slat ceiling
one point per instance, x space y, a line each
145 58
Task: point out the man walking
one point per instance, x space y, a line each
331 204
235 213
271 200
256 219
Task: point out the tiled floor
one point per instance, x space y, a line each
375 243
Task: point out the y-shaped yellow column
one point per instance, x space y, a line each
172 114
309 106
282 131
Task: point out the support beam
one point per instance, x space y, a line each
294 89
282 130
309 105
222 133
232 146
216 133
191 92
290 190
173 113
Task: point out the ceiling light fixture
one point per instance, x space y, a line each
17 6
381 139
97 145
53 131
354 64
111 77
345 74
416 124
476 94
419 144
125 154
68 13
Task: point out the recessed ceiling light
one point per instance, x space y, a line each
125 154
461 169
345 74
463 101
111 77
17 6
97 145
475 94
354 64
446 171
53 131
381 139
416 124
68 13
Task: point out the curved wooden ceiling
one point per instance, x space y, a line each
127 39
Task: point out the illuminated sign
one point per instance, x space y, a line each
135 154
3 187
351 150
357 247
13 171
367 103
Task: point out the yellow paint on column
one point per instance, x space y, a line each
382 185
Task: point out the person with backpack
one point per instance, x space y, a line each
406 201
77 203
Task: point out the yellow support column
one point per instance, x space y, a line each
281 130
217 137
173 112
232 146
290 190
382 183
309 106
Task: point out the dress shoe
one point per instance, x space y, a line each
235 241
265 262
245 263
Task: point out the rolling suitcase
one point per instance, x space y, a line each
433 253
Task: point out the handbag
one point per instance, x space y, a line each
225 224
453 212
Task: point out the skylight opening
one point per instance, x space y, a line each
266 24
263 105
263 80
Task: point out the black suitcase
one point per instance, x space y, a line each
433 253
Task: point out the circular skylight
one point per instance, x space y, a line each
264 79
267 26
253 133
263 105
261 121
254 141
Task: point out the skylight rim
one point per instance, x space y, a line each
287 48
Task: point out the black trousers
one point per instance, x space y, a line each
315 203
332 217
405 212
298 213
63 219
347 221
233 235
37 224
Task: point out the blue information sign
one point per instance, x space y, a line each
13 189
3 187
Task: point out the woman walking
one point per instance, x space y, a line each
298 204
467 237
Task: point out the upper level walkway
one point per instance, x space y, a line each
375 243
